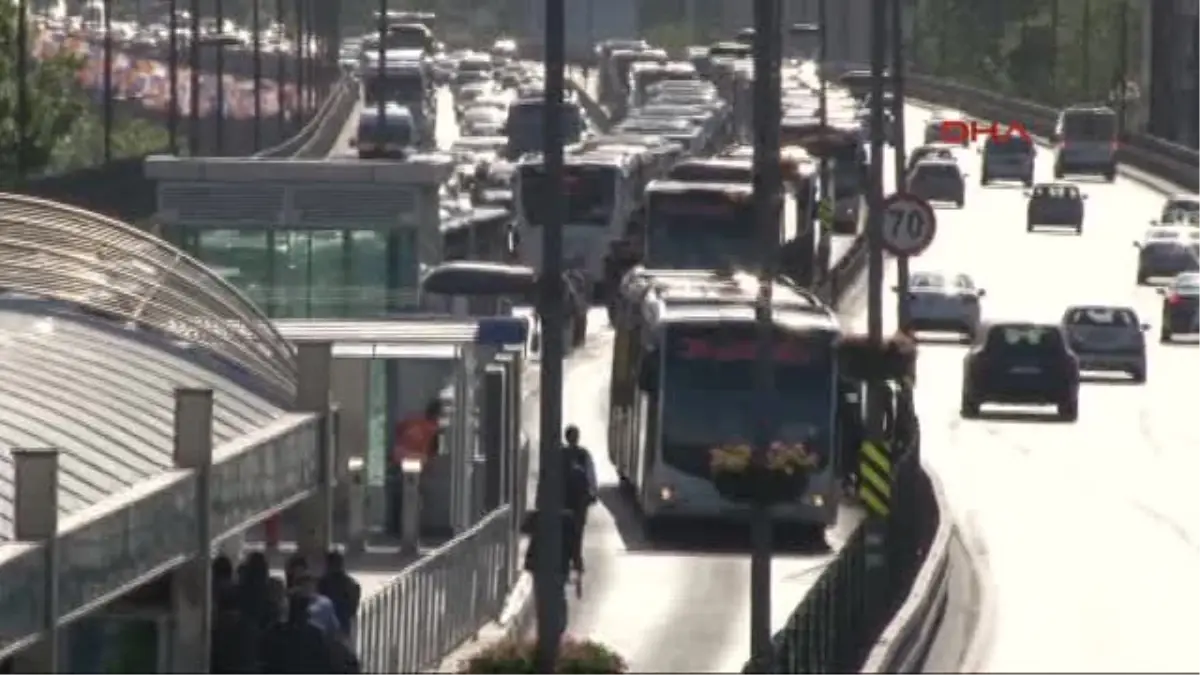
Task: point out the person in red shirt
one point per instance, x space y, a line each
415 437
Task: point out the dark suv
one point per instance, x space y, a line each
1021 363
1180 307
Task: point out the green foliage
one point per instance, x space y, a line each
64 129
1054 51
575 656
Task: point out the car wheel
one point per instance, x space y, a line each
1029 226
969 409
1079 229
984 180
1142 277
960 202
1138 375
1165 335
1068 410
1058 172
1028 181
1110 174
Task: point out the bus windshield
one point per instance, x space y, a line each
709 395
591 194
701 230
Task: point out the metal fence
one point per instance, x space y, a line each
152 84
432 607
839 620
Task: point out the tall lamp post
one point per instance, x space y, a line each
548 584
767 94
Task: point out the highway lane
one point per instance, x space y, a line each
666 609
1087 533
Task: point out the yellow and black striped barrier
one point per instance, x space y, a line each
875 477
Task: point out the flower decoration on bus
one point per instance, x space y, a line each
782 457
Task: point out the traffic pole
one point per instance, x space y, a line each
549 586
766 179
876 532
898 146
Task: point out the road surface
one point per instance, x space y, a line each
1087 533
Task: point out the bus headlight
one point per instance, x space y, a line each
666 493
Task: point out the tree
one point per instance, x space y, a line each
54 102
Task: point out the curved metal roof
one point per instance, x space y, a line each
107 267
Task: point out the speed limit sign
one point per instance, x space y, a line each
909 225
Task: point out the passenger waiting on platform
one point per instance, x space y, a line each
296 645
235 638
222 574
416 437
293 568
260 595
345 593
320 608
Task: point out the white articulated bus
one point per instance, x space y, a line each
683 384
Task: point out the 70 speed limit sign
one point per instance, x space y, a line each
909 225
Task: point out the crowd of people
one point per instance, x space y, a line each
302 623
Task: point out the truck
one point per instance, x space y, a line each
587 21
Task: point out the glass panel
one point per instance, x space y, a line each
367 282
293 252
327 288
407 268
377 423
240 256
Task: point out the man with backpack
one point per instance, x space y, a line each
579 475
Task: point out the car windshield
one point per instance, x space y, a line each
1115 317
937 171
1187 283
927 281
1024 339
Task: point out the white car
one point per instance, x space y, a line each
942 301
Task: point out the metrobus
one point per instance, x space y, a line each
800 191
683 384
694 225
843 146
602 191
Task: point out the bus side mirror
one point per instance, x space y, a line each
648 373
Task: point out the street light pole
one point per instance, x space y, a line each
548 583
824 245
898 141
766 179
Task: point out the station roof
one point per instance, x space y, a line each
108 269
99 324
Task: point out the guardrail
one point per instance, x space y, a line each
318 137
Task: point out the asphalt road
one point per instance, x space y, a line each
1087 533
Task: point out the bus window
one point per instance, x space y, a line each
591 194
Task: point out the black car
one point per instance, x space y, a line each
1021 363
1181 307
1054 205
1166 251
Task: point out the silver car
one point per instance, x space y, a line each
1107 338
939 301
